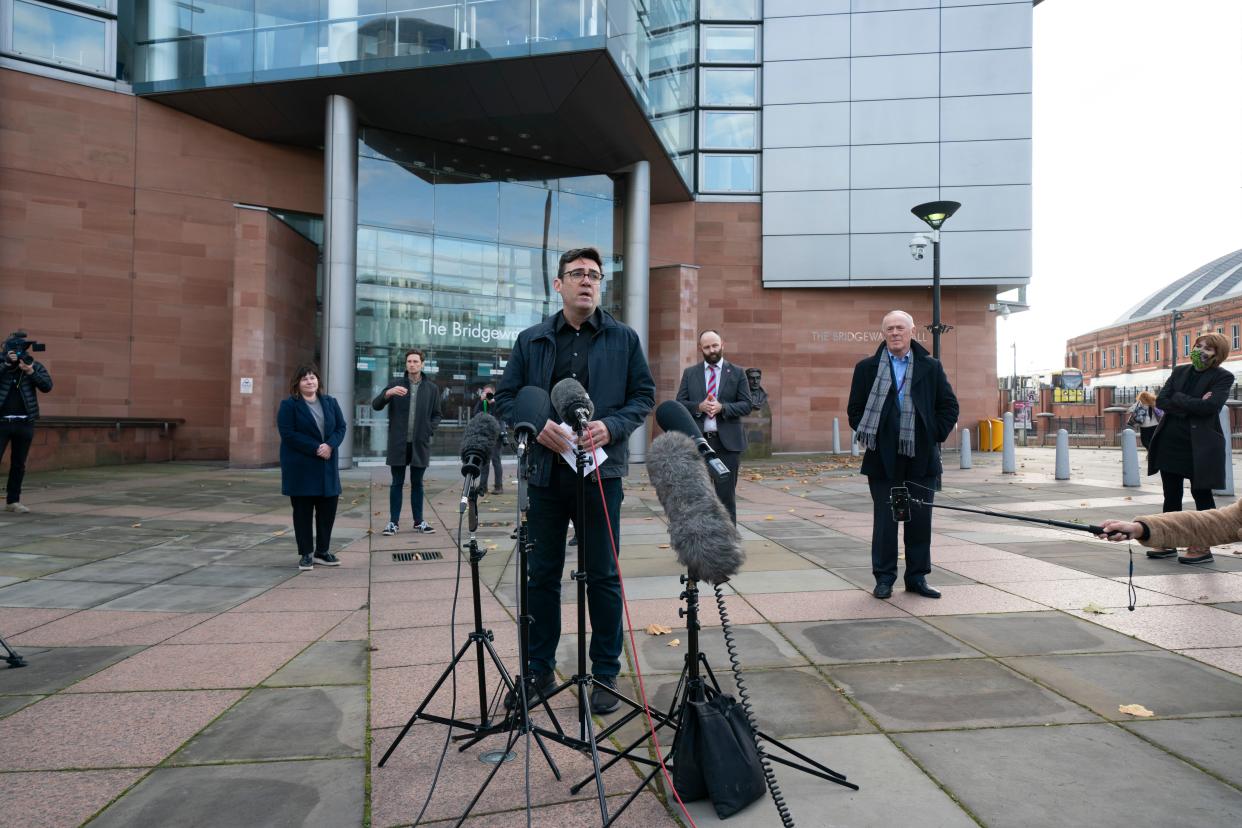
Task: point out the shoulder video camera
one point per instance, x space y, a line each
18 343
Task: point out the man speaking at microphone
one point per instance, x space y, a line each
717 395
583 343
901 409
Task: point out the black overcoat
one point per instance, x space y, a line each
428 403
302 472
1207 441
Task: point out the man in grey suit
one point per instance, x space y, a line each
717 395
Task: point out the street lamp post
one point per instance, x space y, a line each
934 214
1174 316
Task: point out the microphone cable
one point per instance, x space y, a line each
735 664
629 624
1131 592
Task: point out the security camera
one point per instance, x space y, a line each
918 244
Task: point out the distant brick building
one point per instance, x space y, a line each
1137 348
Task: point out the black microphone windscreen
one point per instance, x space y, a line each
531 410
700 530
673 416
568 395
477 442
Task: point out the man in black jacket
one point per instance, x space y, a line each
21 377
717 395
413 403
582 342
901 409
487 405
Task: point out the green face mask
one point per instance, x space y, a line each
1197 359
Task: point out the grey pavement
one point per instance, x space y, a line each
182 671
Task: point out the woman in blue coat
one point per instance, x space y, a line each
311 430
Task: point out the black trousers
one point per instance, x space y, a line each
884 530
551 509
726 489
319 512
1174 485
495 464
19 434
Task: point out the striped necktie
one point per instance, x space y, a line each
711 381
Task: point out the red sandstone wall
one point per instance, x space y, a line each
789 332
117 245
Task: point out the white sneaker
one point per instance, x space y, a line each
390 529
16 507
424 527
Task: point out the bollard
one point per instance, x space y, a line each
854 443
1129 458
836 435
1062 455
1225 427
964 443
1009 463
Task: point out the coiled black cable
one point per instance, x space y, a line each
735 664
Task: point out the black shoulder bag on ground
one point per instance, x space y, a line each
716 756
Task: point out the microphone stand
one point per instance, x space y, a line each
900 495
13 659
480 638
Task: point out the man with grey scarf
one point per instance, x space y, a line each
901 409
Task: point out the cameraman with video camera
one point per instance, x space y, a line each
20 378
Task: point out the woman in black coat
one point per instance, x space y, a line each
1189 443
311 430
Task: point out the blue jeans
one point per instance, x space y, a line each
416 493
551 509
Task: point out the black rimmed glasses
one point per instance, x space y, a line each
577 275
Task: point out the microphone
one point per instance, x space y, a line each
531 411
477 442
673 417
700 530
572 403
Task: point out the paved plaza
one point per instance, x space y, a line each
181 671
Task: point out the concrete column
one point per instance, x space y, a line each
340 258
1129 458
636 302
1226 428
1063 466
836 435
967 461
1009 463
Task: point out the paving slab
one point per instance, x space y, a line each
234 576
171 598
1209 743
324 663
44 799
110 627
121 572
1165 683
284 723
757 645
50 669
879 639
1226 658
863 577
314 794
1204 587
192 666
870 761
1082 593
11 704
1231 606
1071 776
15 620
1034 633
1117 566
806 580
23 565
81 548
951 694
1178 627
62 594
237 627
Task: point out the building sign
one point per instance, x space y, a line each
465 334
861 337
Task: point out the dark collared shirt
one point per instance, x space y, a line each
573 347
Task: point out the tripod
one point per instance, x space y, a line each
697 683
480 638
12 657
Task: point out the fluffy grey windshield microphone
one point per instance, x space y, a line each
572 403
700 530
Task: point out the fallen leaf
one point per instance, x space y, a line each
657 629
769 517
1202 598
676 642
1129 498
793 510
819 514
664 546
281 532
1095 609
1135 710
135 525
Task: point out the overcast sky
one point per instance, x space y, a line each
1137 160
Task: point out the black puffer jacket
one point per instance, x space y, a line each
26 385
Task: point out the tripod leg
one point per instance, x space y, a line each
448 671
13 659
513 737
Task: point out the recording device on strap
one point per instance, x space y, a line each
572 403
700 530
899 500
673 417
531 411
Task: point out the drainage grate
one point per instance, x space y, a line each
417 556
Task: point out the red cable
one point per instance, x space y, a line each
642 690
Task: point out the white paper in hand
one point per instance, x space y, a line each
592 460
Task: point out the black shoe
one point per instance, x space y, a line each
921 586
603 701
536 688
513 534
573 541
1161 553
305 563
497 490
883 591
327 559
1197 559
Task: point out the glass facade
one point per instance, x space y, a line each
67 38
457 251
